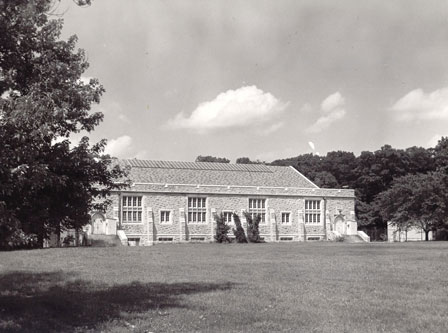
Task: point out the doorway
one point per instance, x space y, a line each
98 224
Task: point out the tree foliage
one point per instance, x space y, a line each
238 231
47 184
222 229
212 159
370 174
416 200
253 230
247 160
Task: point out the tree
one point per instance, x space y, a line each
253 230
418 199
324 179
240 235
340 164
441 154
47 184
308 164
222 229
246 160
212 159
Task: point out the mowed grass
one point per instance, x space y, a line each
300 287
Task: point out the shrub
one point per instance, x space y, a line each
253 231
68 240
340 238
240 235
222 229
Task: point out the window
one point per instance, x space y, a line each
312 211
133 241
197 239
313 238
258 206
132 209
286 218
165 239
286 239
165 216
197 210
228 219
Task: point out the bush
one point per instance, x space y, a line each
253 231
68 240
340 238
222 229
240 235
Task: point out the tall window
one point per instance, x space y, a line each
197 210
132 209
286 218
228 218
165 216
258 206
312 211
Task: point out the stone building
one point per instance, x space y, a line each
177 201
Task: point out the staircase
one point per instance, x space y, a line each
104 240
353 239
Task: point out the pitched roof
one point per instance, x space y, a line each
204 173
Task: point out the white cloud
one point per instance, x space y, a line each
418 105
233 108
332 109
118 147
311 144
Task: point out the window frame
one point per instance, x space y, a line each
134 239
197 210
125 209
232 222
263 211
170 216
289 218
313 213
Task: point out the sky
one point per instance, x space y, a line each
264 79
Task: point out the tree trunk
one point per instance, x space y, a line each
426 235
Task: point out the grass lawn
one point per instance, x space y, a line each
300 287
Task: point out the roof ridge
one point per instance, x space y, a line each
139 163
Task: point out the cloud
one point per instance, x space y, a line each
311 144
233 108
332 109
418 105
118 147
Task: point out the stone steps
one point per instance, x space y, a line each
104 240
353 239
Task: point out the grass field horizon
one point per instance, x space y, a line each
272 287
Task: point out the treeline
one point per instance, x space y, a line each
372 174
406 187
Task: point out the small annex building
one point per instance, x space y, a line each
177 201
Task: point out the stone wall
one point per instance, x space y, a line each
151 230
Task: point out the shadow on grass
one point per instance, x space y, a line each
43 302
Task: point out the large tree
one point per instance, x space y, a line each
416 200
46 182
